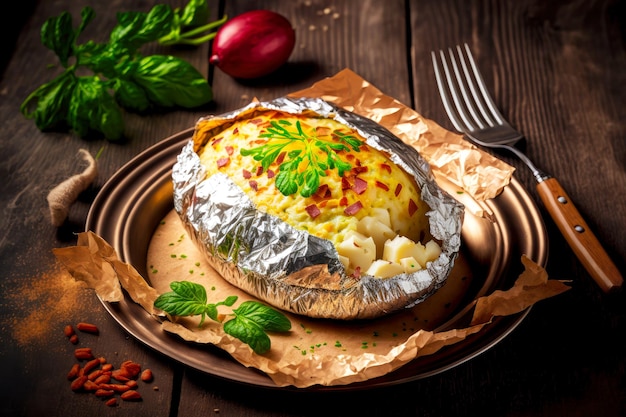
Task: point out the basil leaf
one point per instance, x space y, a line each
93 108
170 81
137 28
58 35
87 14
266 317
174 304
211 311
195 13
230 300
97 57
186 299
49 103
131 96
248 332
189 290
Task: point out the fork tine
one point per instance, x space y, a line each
495 113
470 105
454 95
447 105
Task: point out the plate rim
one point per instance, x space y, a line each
502 326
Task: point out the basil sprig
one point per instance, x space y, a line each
121 78
249 323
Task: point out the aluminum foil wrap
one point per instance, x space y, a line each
289 268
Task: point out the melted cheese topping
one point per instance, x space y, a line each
373 183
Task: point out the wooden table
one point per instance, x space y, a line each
556 70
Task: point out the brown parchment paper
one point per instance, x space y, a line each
326 352
466 172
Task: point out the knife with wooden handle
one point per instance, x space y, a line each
579 236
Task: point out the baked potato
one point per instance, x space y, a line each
316 210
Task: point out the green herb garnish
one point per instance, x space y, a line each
120 76
249 322
307 159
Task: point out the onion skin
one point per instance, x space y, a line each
253 44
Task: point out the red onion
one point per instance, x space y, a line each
253 44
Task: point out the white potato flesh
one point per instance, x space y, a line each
360 250
377 230
410 265
345 261
384 269
433 250
402 247
427 253
382 215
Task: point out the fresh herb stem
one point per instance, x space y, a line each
187 36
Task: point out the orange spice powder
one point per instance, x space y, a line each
44 304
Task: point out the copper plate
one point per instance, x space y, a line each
135 199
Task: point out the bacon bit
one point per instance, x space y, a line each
343 201
256 121
280 158
216 141
313 210
382 185
247 174
229 150
359 169
412 207
353 208
222 162
359 186
322 193
254 185
259 171
345 184
350 157
398 189
357 273
386 167
235 131
270 173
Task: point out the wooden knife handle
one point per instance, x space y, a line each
580 238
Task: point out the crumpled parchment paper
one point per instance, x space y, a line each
327 352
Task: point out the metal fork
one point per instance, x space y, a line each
473 112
